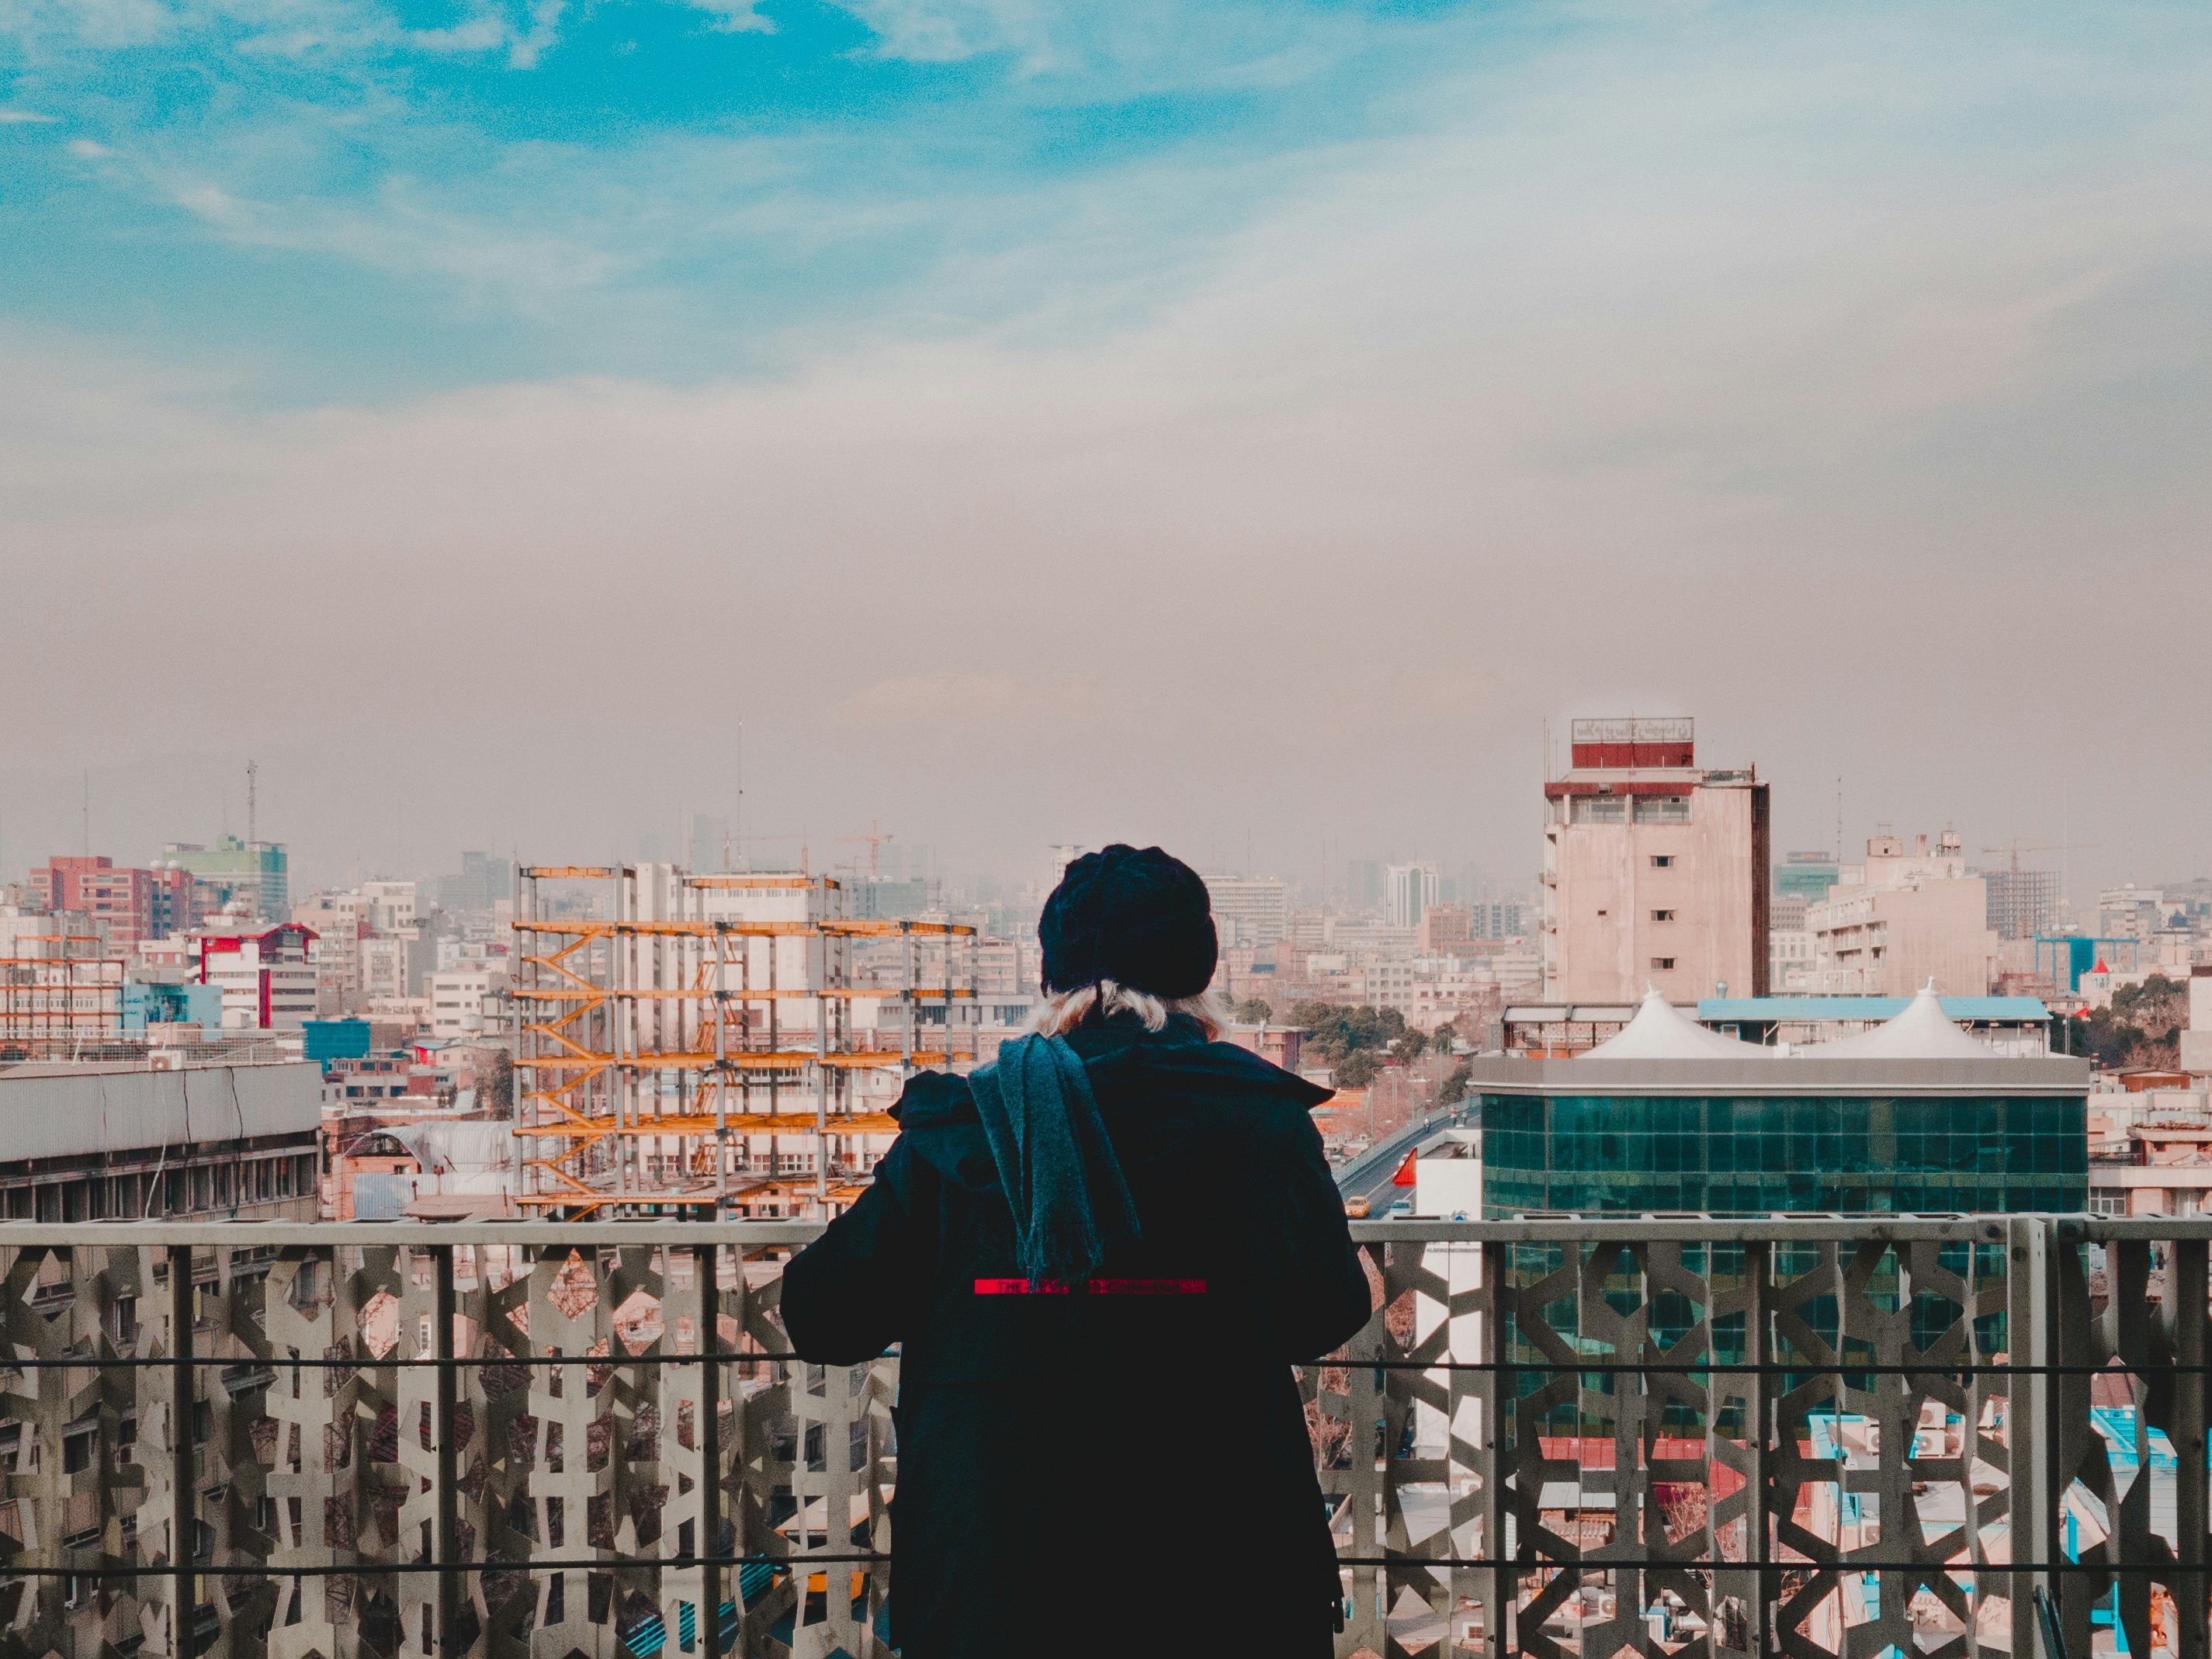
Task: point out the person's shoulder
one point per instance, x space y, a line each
935 1100
1257 1082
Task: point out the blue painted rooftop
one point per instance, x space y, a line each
1722 1011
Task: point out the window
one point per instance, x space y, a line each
1662 964
1662 861
1601 809
1662 915
2108 1203
1662 809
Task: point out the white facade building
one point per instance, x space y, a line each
267 981
457 996
1900 920
1254 905
1412 889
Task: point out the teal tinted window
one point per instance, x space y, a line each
1752 1156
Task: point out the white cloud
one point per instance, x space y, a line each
1688 371
736 16
9 117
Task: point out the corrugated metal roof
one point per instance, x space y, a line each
1726 1010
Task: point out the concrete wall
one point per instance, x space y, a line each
1605 890
1891 941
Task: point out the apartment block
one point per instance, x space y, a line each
1655 869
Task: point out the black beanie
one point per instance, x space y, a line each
1142 919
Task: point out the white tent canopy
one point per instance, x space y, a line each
1662 1031
1923 1031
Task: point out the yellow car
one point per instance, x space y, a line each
1355 1208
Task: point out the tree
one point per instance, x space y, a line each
1356 1070
1253 1012
1444 1037
1455 1087
495 1086
1408 1047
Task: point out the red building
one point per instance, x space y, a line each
134 904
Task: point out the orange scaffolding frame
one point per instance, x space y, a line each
51 1005
634 1027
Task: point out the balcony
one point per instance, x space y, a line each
1717 1437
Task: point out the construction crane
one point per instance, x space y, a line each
2016 847
875 837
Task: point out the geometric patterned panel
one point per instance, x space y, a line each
1808 1436
361 1414
1675 1437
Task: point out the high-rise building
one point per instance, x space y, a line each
1499 918
2022 903
484 879
1805 876
1412 889
1254 905
130 905
1655 870
255 871
2131 912
1363 884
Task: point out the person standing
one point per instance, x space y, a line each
1099 1257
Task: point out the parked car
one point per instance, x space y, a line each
1356 1207
1402 1210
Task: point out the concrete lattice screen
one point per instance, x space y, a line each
538 1439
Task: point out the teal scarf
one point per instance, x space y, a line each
1071 1206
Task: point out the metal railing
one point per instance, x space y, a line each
1682 1435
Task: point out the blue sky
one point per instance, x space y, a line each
1239 425
388 196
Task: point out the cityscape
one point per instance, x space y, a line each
1001 829
697 1040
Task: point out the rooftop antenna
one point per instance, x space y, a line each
252 803
88 812
744 853
1839 821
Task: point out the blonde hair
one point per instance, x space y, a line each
1062 1012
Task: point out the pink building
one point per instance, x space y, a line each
1655 870
132 904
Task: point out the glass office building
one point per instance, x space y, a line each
1727 1137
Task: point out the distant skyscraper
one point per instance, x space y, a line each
1363 884
484 879
2022 903
1805 876
253 871
1412 888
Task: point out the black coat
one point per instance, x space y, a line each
1125 1467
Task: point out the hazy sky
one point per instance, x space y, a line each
1242 425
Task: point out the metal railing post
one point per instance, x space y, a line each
705 1268
2188 1287
2031 1314
1499 1385
185 1595
446 1470
1758 1434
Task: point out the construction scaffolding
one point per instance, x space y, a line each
57 1000
716 1044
